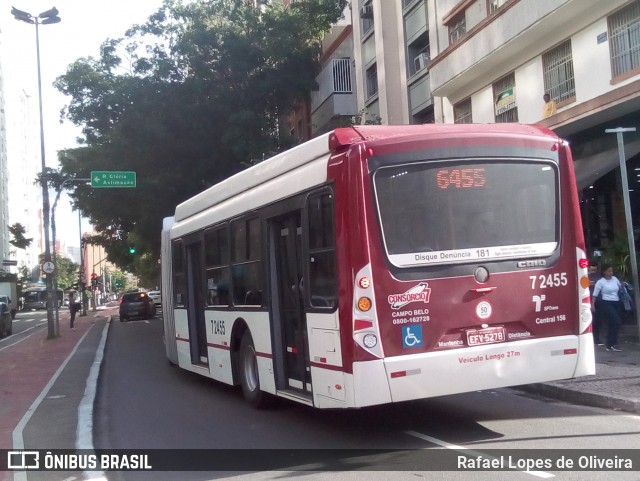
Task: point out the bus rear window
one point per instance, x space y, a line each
454 212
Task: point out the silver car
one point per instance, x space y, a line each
156 296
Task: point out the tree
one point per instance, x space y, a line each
200 101
19 240
66 272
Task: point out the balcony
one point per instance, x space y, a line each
335 96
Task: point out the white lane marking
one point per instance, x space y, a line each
454 447
84 432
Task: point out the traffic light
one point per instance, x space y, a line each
132 249
50 16
94 279
21 15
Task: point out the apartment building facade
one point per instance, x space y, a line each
485 61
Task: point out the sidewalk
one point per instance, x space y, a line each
616 384
44 385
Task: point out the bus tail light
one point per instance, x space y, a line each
584 306
364 304
365 320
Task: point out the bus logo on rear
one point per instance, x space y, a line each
532 263
418 293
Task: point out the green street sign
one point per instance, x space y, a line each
113 179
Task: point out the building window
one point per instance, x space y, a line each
504 94
372 81
624 39
457 28
425 116
493 5
366 16
462 112
342 75
557 65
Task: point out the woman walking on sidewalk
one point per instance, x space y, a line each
606 303
73 308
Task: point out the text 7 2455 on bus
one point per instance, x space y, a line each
378 264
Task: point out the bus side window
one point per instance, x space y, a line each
322 257
216 242
179 281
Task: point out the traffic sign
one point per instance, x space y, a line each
48 267
105 178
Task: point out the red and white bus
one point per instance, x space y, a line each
377 264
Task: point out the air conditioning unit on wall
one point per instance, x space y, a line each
421 61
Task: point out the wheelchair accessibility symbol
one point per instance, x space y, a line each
411 336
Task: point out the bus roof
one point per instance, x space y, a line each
333 141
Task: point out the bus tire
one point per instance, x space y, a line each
249 375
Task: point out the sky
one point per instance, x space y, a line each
85 25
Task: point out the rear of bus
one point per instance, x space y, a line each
473 274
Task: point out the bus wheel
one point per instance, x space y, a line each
249 376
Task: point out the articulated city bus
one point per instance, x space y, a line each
378 264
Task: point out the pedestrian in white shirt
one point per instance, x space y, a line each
608 306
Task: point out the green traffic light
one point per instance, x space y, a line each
132 250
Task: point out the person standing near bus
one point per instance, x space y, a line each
606 303
594 276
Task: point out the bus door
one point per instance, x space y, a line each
195 303
290 324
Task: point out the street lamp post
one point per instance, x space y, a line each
53 240
627 213
45 18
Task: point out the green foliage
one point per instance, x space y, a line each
616 254
66 272
24 280
19 240
185 100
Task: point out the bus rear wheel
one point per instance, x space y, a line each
249 375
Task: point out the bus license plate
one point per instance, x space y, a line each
476 337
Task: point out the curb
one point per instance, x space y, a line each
583 398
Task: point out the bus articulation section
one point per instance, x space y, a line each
378 264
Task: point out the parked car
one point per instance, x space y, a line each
156 296
136 305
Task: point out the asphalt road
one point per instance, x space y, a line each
145 403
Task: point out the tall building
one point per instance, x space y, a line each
25 196
491 61
4 180
392 54
19 158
